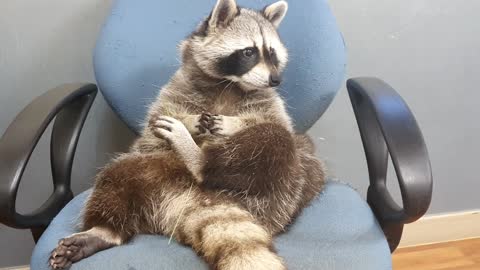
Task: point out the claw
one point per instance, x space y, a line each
215 130
201 129
166 119
206 120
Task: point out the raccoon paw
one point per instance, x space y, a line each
217 125
224 125
194 124
175 133
75 248
170 129
205 121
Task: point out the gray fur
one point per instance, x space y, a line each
198 87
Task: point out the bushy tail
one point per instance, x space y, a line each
229 239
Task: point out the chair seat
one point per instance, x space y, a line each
337 232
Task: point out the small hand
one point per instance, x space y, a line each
193 124
182 142
220 124
204 122
170 129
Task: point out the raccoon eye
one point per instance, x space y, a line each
248 52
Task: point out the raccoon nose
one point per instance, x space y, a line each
274 80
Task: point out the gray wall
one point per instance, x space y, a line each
43 44
427 49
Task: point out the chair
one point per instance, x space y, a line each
136 53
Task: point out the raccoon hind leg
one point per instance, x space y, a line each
253 159
81 245
112 214
122 190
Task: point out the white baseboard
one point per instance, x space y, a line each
22 267
442 228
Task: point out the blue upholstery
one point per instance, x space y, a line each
136 54
337 232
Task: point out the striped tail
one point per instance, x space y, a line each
229 239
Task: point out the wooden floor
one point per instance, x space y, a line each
459 255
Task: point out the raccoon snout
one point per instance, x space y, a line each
274 80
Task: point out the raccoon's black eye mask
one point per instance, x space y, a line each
270 56
239 62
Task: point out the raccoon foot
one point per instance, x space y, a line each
81 245
182 142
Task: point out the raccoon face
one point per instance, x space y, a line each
241 45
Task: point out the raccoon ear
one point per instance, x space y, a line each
275 12
223 12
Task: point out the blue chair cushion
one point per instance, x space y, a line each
337 232
136 54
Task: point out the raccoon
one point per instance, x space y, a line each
218 166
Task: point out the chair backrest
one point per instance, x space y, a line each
136 54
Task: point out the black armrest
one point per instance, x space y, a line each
69 105
386 126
